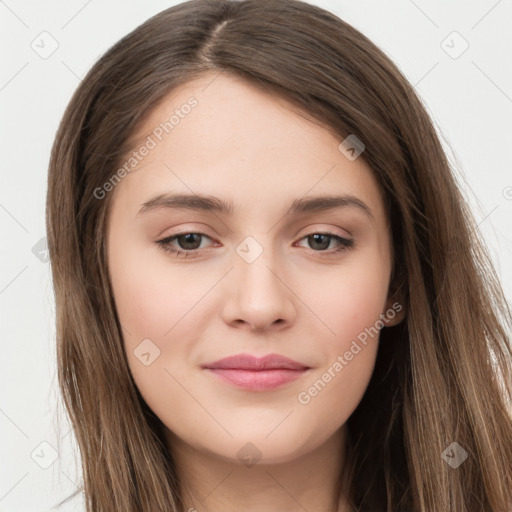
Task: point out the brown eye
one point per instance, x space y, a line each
319 242
188 243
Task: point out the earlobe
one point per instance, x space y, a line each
394 314
395 311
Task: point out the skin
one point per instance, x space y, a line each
298 299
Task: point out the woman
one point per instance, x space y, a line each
259 370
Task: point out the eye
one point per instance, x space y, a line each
322 241
189 243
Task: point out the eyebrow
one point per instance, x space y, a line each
213 204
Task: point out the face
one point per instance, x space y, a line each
264 268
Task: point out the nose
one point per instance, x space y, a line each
259 298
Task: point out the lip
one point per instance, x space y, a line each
257 374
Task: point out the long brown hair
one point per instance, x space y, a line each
442 376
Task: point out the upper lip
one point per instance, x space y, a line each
249 362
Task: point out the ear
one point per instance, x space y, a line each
395 311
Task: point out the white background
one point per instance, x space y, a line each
469 99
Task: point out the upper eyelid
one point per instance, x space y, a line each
309 230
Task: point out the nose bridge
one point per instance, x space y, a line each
261 296
254 269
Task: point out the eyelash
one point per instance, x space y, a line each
345 244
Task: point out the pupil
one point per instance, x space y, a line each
189 239
326 239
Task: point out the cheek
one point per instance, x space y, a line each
159 310
350 303
350 299
150 296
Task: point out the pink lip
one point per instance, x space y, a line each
257 374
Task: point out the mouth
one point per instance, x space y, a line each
256 374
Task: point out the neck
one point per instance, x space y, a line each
210 483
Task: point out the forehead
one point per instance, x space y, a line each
221 135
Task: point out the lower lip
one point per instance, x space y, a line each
257 380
